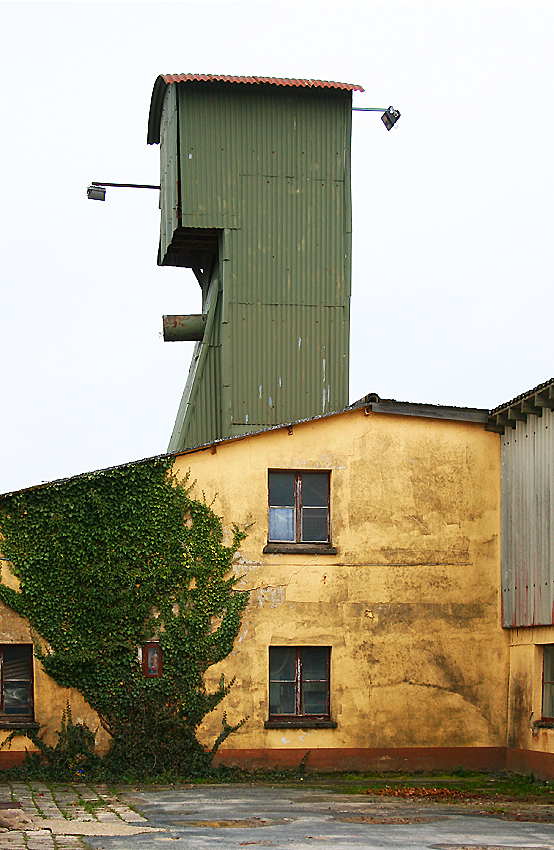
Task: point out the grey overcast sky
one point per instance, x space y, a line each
452 210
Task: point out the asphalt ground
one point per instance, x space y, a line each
39 816
203 817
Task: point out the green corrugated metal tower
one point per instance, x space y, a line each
255 198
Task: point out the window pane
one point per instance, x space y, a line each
314 662
17 662
17 698
281 524
281 489
548 681
314 525
281 663
314 697
281 698
548 700
17 677
548 663
314 490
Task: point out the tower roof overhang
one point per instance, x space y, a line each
164 80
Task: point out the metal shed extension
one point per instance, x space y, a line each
527 453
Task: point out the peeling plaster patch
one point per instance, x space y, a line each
275 596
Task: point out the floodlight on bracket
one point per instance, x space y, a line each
97 191
389 116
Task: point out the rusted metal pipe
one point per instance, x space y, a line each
184 328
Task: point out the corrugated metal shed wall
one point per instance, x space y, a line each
199 416
169 170
527 522
272 169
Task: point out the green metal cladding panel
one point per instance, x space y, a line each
199 417
293 246
301 371
270 169
228 132
169 170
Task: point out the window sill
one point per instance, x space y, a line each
300 723
543 724
299 549
18 724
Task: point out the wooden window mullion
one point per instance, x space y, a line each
298 682
328 684
298 507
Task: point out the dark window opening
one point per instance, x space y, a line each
548 682
299 682
16 681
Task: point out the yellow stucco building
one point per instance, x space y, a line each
401 593
373 635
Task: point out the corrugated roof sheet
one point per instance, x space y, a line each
501 407
164 80
274 81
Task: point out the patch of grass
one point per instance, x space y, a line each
92 806
459 781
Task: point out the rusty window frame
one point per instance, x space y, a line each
299 681
298 505
11 716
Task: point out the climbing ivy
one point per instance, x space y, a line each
107 562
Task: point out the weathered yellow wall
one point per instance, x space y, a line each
410 604
525 696
50 699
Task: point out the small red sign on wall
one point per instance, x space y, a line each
152 660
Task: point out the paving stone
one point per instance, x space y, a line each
134 817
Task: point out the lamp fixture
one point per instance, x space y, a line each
389 116
97 191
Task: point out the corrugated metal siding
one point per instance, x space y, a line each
294 371
294 243
527 522
169 170
199 416
272 170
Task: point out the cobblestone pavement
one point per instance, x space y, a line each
35 816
